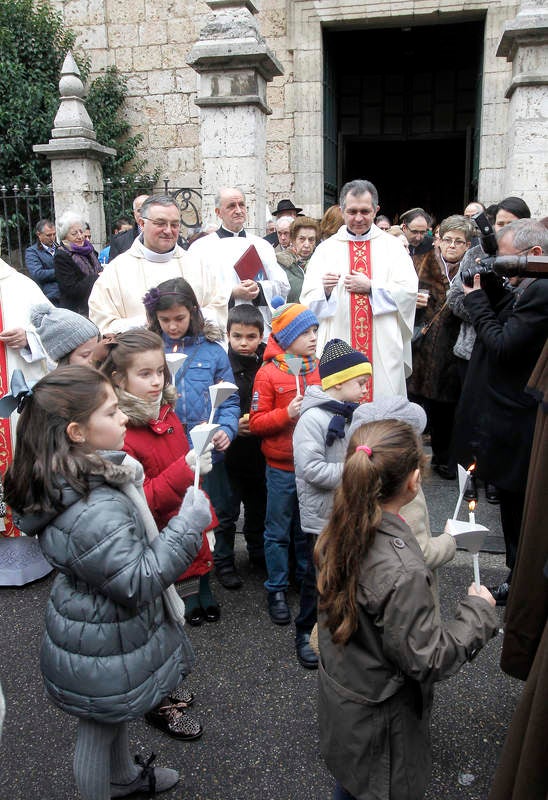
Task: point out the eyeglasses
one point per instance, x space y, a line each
456 242
164 223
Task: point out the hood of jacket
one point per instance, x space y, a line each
272 349
104 467
315 396
211 333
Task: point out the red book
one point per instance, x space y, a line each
249 266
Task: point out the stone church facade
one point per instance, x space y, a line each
171 103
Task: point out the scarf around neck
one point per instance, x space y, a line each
84 257
309 362
342 416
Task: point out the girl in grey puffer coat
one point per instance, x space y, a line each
114 645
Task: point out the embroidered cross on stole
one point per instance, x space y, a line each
361 316
6 444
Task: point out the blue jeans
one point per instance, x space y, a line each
282 521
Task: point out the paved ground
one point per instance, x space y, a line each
256 703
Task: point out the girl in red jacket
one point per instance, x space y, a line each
137 368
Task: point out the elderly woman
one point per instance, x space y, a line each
75 262
435 380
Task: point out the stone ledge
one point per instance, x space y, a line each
240 100
74 148
232 54
526 80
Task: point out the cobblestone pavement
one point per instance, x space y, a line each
256 703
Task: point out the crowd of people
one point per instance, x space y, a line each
348 343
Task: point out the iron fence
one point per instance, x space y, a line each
22 207
20 210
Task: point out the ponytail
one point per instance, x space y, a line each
379 458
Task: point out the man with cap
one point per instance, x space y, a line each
275 408
285 208
218 254
362 286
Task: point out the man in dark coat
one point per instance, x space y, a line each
285 208
123 241
513 337
39 260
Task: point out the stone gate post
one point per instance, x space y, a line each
524 43
234 66
76 156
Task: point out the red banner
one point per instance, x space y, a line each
361 316
6 451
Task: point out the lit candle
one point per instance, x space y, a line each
174 362
475 556
471 515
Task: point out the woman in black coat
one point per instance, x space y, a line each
76 264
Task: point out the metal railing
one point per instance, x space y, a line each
22 207
20 210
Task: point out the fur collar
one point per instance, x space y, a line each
141 413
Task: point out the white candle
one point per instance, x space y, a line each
477 581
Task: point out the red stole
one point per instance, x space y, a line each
361 316
6 449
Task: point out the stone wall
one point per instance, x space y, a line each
150 42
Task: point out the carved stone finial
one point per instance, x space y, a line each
72 118
70 83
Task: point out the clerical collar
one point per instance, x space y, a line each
151 255
358 237
224 233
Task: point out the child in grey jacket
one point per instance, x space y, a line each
114 645
329 414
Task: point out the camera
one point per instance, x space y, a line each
489 245
492 268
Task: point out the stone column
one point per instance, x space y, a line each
234 65
524 43
76 156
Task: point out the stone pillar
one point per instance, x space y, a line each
234 66
524 43
76 156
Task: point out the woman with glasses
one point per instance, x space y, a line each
435 379
75 263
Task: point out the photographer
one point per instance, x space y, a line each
508 210
511 327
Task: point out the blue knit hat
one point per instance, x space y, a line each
340 363
289 320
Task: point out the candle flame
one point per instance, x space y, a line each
472 467
175 348
472 506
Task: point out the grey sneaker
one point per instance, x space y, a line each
151 779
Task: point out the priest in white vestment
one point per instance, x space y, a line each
362 286
21 559
218 252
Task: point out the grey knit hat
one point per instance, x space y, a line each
395 407
61 331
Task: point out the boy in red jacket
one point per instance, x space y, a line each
275 408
